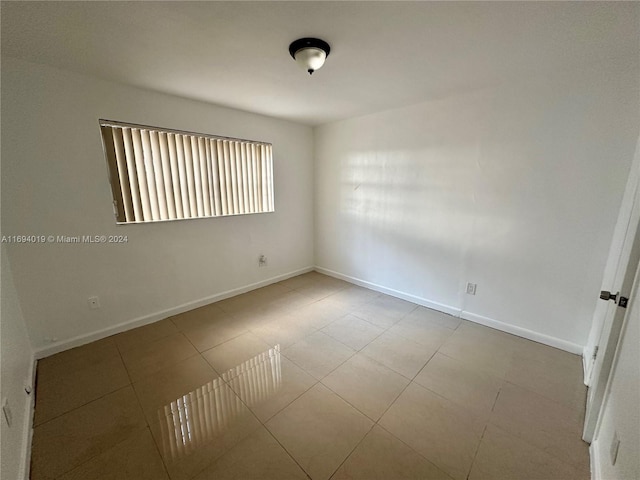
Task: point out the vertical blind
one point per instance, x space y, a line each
158 174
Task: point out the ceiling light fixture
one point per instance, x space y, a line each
309 53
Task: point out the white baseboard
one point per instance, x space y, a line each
25 461
587 365
457 312
451 310
594 454
154 317
524 333
441 307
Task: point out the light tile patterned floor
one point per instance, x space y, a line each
315 378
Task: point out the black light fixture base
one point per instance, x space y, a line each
301 43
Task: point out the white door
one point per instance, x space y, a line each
609 315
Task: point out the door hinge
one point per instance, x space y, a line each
595 352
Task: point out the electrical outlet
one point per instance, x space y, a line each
471 288
615 446
94 303
262 261
6 409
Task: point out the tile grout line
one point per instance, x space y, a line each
353 450
552 400
220 377
81 406
92 457
155 444
526 440
413 450
319 381
536 447
92 400
377 422
475 453
264 425
286 451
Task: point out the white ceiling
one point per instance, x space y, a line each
384 54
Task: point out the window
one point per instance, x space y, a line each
158 174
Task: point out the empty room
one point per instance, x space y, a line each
320 240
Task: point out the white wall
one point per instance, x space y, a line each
54 182
515 188
17 369
620 415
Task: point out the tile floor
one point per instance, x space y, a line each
315 378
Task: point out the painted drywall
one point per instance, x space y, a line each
620 417
16 372
54 182
515 188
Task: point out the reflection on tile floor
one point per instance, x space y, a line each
310 378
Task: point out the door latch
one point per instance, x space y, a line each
605 295
622 301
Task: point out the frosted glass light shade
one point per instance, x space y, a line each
311 59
